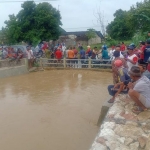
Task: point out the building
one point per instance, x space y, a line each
74 38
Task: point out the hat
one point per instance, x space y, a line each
118 63
130 47
132 44
88 46
135 71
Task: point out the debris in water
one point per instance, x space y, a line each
79 76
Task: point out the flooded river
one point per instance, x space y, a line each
51 110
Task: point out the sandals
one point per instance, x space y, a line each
111 101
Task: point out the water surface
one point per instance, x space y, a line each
51 110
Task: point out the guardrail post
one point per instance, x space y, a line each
89 66
64 62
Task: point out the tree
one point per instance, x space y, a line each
33 23
119 29
90 33
126 24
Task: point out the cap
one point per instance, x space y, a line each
135 71
118 63
130 47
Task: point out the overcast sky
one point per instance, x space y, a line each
77 15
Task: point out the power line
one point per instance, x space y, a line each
27 1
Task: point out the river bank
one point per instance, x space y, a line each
122 129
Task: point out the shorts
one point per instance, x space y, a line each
142 100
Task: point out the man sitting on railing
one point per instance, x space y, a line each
19 55
122 72
11 55
5 53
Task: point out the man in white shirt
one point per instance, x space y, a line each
30 56
140 90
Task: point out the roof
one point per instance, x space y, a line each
83 33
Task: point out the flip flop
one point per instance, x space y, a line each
110 101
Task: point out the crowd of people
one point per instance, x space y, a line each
11 54
131 74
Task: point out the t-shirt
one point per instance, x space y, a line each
123 74
146 53
82 54
122 47
121 55
93 55
89 52
111 54
132 58
105 54
70 54
75 52
142 49
142 86
147 74
58 54
29 54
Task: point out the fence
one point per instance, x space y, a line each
75 63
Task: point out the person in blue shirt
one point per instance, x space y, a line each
82 54
147 51
105 53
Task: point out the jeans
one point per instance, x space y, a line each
113 92
110 91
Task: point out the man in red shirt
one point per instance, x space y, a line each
122 47
58 54
142 49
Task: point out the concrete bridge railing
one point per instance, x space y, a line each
75 63
8 69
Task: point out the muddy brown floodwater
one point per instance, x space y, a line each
51 110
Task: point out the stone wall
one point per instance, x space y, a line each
122 129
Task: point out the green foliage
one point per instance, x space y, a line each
33 23
119 29
91 33
127 24
137 38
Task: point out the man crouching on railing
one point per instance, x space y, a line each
123 76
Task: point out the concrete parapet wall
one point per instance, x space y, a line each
122 129
13 71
